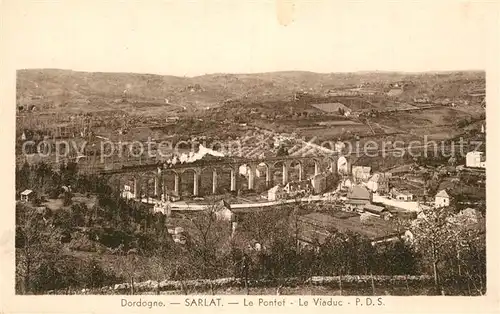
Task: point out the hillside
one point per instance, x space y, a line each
88 91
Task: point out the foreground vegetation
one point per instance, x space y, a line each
115 241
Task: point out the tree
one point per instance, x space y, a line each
161 267
67 199
129 266
43 173
434 235
23 176
282 151
37 245
77 212
209 243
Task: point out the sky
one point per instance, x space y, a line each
189 38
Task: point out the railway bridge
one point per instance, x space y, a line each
140 176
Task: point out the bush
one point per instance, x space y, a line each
81 242
67 200
54 193
70 272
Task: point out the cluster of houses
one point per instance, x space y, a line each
366 203
377 188
317 184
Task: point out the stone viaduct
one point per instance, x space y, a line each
142 174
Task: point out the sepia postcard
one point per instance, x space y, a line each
249 155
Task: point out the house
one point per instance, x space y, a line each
422 100
323 182
401 195
342 165
359 192
442 199
361 173
378 183
27 195
346 184
378 211
339 146
276 193
475 159
127 192
178 235
357 197
66 188
223 211
318 183
298 188
469 219
468 216
162 207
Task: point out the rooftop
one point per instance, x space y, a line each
402 205
442 193
374 208
358 192
276 188
378 177
356 201
402 192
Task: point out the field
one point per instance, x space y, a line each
221 104
335 132
67 90
442 122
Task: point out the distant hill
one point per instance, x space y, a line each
63 88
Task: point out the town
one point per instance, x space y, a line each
306 189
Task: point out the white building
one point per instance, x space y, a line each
26 195
339 146
442 199
402 195
475 159
379 183
346 184
162 207
223 212
342 165
280 192
127 192
361 173
468 216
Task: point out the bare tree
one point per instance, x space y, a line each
161 268
129 267
434 234
209 242
36 242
